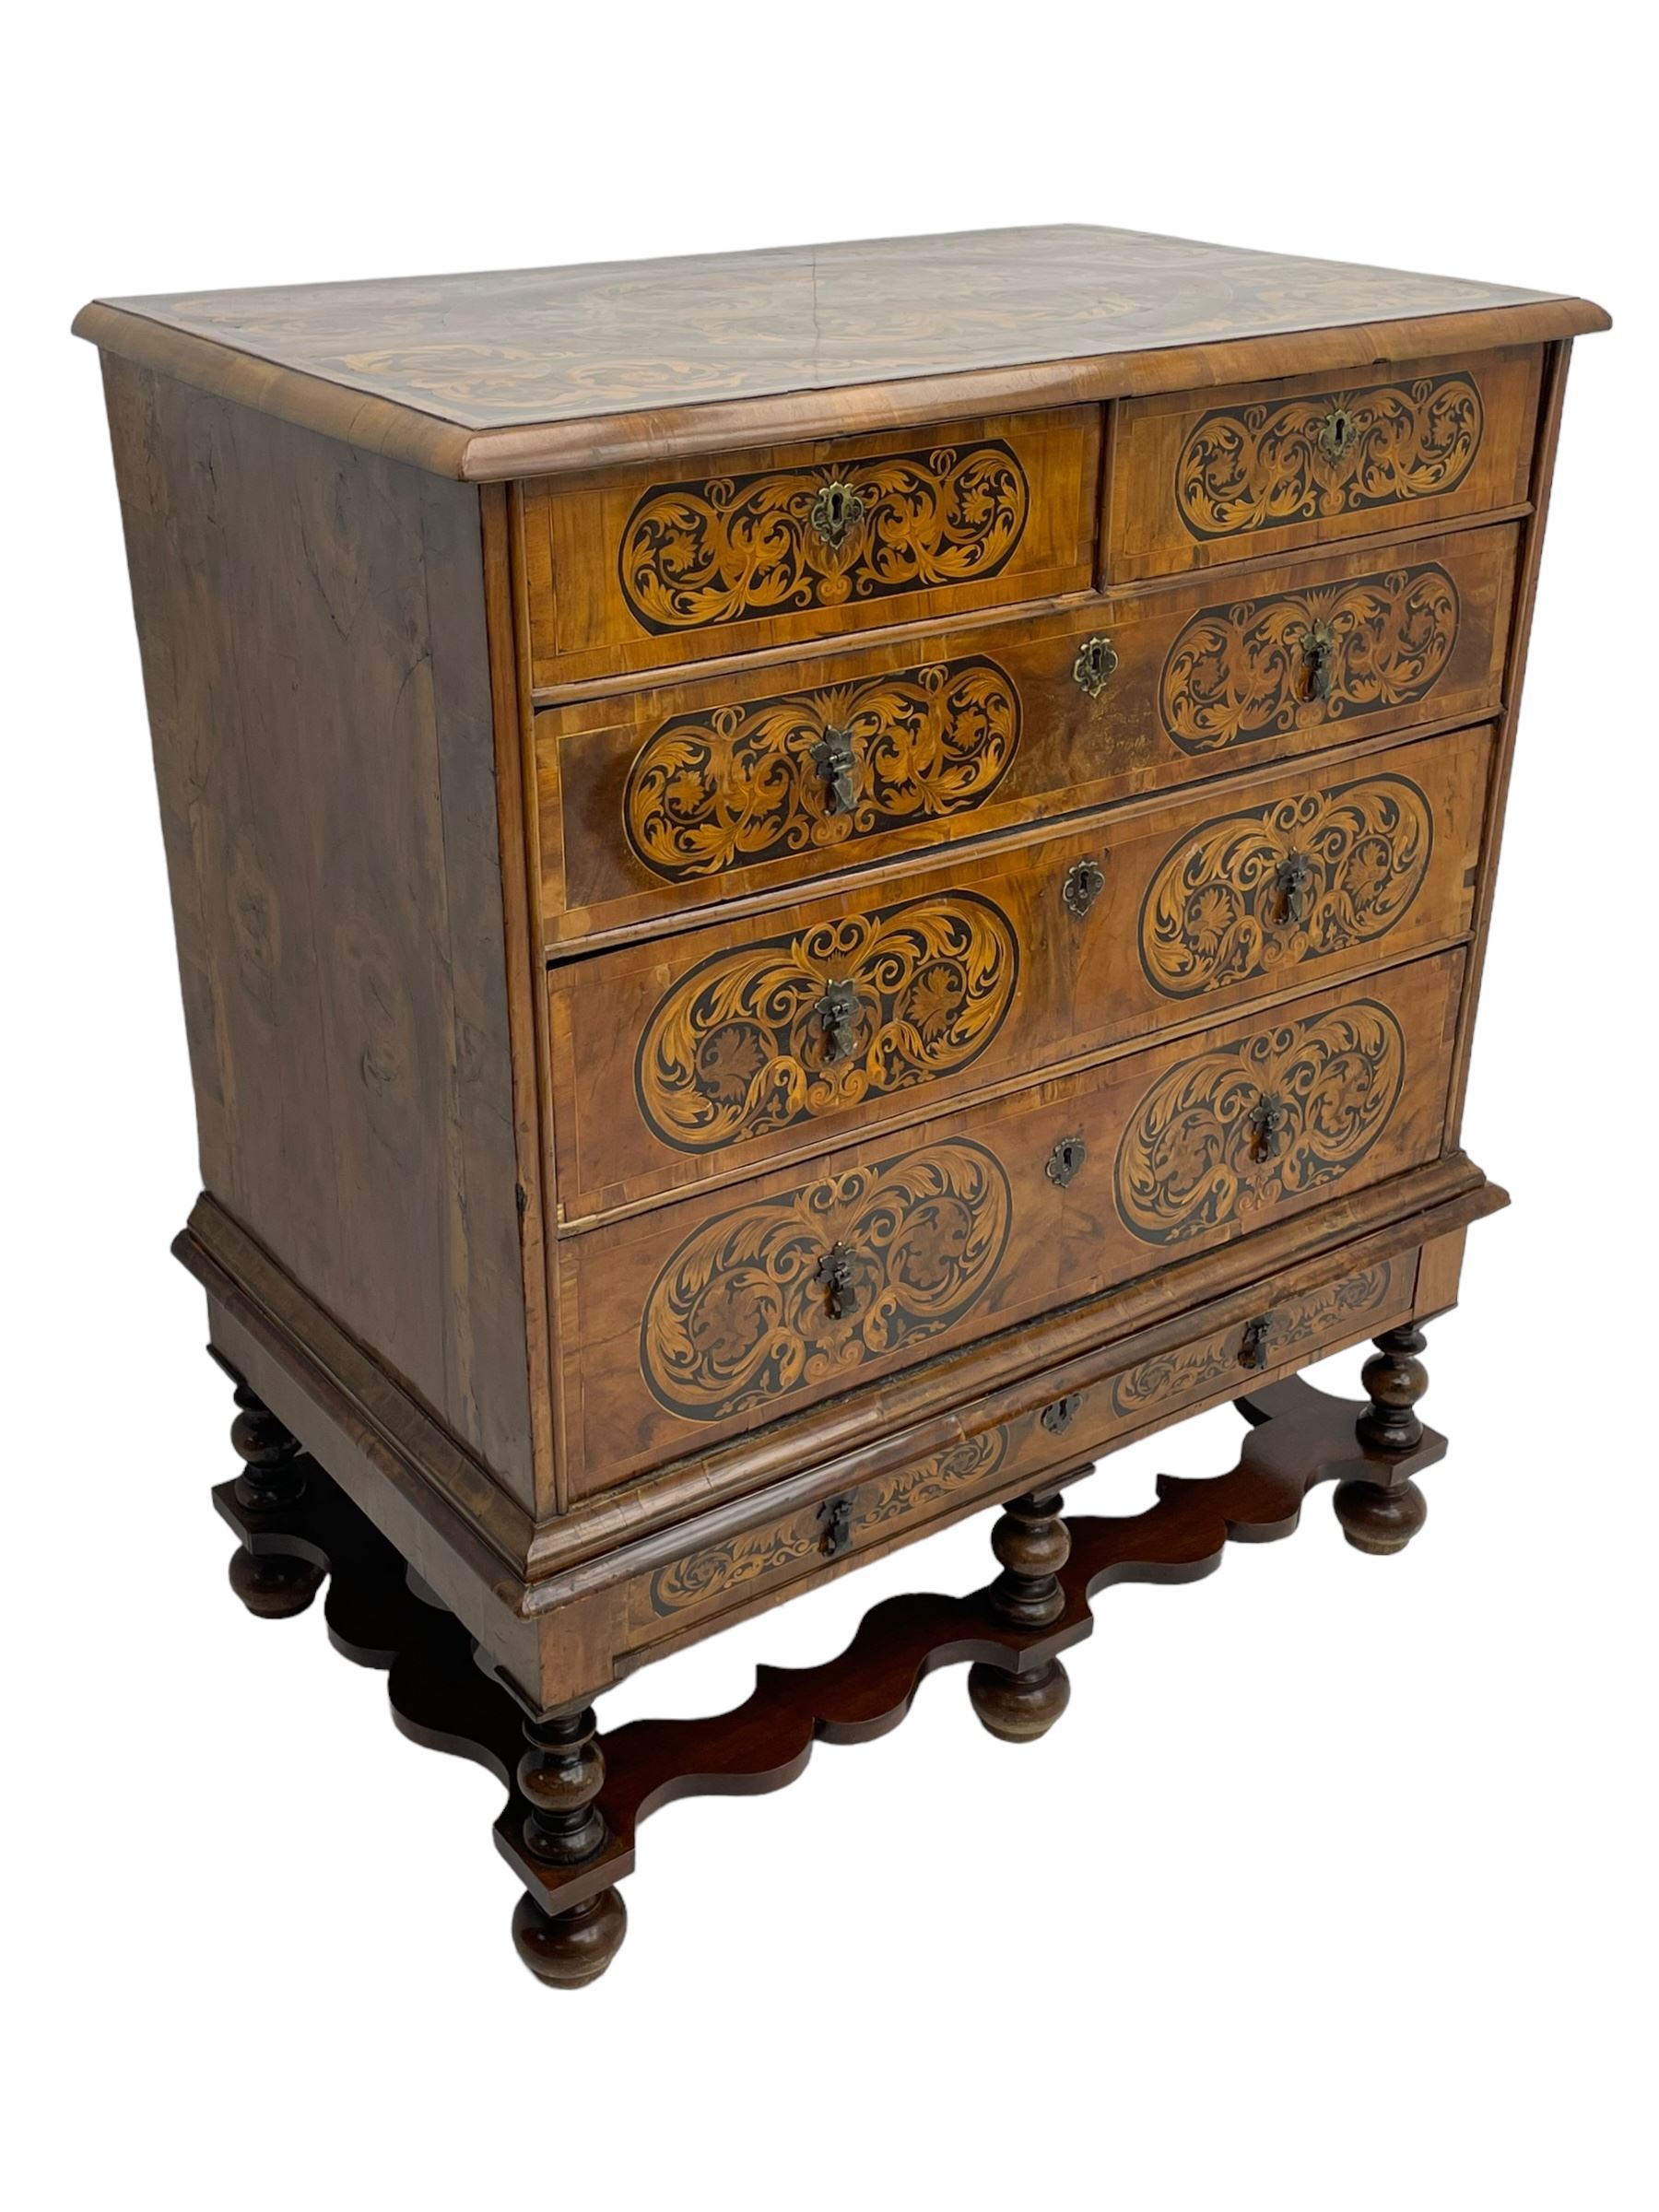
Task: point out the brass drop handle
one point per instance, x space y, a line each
1336 432
1253 1348
833 1275
1293 886
832 757
1095 665
1265 1123
836 510
837 1015
1319 657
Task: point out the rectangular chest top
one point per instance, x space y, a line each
538 371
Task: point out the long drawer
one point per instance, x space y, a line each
697 1319
644 568
1202 477
708 1579
659 801
723 1048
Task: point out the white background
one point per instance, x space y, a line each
1334 1887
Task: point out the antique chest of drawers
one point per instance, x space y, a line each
811 888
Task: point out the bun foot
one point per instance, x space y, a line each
1379 1521
274 1584
1018 1707
567 1950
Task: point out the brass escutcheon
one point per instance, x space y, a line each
836 510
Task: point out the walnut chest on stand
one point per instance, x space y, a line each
813 886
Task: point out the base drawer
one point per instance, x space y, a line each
717 1312
753 1559
719 1050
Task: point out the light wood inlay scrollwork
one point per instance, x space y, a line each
732 549
1255 468
1271 888
720 1570
1199 1369
1243 1126
739 1315
1251 670
735 786
817 1020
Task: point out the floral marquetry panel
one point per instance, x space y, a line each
799 1026
1217 477
819 769
1269 889
1237 674
810 1285
758 548
1234 1128
731 548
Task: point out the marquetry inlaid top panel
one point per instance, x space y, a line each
537 345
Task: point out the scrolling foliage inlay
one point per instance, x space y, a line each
735 548
1256 467
1198 1368
738 1316
720 1569
745 1043
1238 674
738 786
1269 889
1243 1126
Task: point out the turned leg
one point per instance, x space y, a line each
1376 1517
1032 1543
561 1775
274 1584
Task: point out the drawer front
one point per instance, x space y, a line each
689 1322
718 1050
1203 477
643 570
665 800
711 1580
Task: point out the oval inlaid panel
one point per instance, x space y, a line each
737 786
760 1554
1241 673
735 548
1266 889
812 1283
801 1025
1240 1127
1255 467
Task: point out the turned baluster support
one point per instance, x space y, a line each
274 1584
1380 1518
1032 1543
560 1776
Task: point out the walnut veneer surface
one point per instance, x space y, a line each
812 886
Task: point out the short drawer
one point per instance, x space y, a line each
761 547
658 802
718 1050
1202 477
689 1322
709 1579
